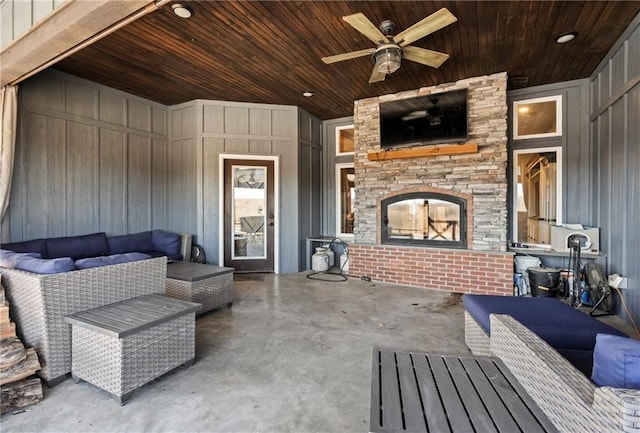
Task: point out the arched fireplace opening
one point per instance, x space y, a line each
427 219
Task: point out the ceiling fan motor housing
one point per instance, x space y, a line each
387 27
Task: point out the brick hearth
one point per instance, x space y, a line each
462 271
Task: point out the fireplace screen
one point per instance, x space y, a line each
427 219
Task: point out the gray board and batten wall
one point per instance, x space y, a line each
614 117
576 159
91 158
202 130
88 158
310 187
601 158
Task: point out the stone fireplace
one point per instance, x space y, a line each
467 252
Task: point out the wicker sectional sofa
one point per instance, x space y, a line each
570 400
39 303
569 331
550 347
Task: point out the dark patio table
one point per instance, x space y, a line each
423 392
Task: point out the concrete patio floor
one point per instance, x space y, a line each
291 355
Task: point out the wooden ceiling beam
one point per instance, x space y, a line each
69 26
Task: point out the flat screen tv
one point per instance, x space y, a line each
430 119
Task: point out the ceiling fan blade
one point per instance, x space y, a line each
376 76
430 24
347 56
362 24
424 56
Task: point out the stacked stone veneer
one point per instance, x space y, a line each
480 177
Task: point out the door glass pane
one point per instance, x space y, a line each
344 140
536 118
537 199
249 201
347 196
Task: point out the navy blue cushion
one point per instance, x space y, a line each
580 359
34 246
45 266
557 323
8 258
133 243
168 243
114 259
616 362
77 247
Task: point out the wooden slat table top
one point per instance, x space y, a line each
414 391
132 315
187 271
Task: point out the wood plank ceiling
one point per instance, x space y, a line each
269 51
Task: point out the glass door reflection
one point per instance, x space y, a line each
249 203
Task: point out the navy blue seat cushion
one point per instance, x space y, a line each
34 246
132 243
77 247
168 243
616 362
45 266
114 259
155 253
557 323
580 359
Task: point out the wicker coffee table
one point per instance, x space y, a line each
121 346
211 286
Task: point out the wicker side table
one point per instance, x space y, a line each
121 346
211 286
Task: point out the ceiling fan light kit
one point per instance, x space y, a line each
391 49
388 58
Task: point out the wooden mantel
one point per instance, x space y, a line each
417 152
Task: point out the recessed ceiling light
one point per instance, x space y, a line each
307 94
566 37
181 10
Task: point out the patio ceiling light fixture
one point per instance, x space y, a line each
388 58
182 11
566 37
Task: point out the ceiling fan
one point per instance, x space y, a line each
391 49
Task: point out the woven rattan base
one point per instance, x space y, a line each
121 364
41 301
477 340
211 286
